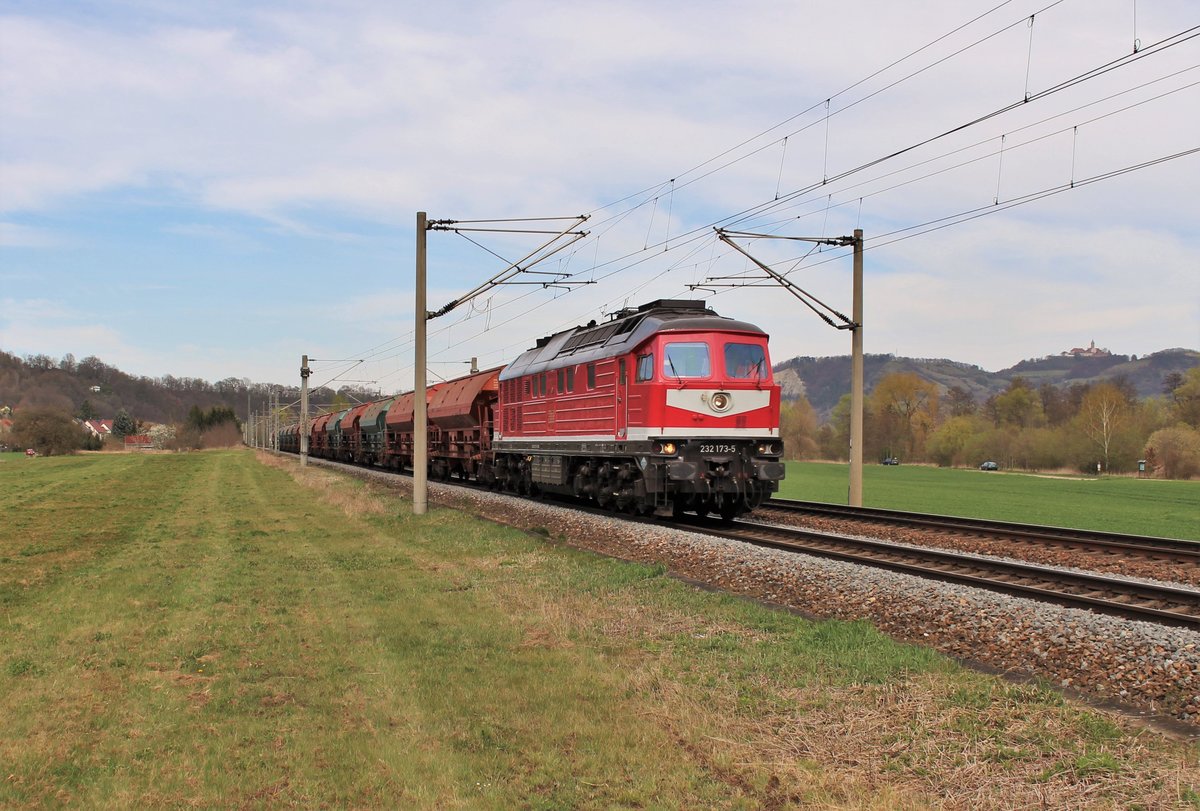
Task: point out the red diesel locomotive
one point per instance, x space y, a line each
662 409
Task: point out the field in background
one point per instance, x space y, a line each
1113 503
207 630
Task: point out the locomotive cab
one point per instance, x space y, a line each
710 408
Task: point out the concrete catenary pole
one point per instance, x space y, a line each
420 419
304 373
856 378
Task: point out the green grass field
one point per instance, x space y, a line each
209 630
1112 503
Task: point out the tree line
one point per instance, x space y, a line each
1084 427
53 432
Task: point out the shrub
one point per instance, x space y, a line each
224 435
48 431
1175 451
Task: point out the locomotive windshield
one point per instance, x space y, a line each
687 360
745 362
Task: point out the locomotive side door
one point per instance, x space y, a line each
621 417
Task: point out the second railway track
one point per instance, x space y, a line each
1094 541
1133 599
1166 559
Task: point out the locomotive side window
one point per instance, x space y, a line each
645 368
745 361
591 373
571 379
687 360
621 367
542 384
560 382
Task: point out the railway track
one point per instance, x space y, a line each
1160 603
1163 550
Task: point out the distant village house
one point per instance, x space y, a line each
101 429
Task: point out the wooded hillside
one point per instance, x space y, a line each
823 381
90 388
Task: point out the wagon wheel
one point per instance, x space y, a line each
605 499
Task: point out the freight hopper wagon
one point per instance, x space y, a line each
380 432
663 409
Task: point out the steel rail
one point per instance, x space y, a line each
1173 549
1161 603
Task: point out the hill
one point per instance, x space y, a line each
90 385
824 380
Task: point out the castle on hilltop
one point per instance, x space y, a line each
1092 351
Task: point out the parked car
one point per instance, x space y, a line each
989 466
891 460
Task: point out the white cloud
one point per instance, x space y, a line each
45 326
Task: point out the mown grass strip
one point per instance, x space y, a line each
263 636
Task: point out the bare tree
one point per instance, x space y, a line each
1103 410
799 427
906 408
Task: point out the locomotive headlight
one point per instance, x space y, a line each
767 449
666 447
721 401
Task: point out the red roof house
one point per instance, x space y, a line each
99 428
138 442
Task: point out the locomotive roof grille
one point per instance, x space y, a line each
627 328
591 337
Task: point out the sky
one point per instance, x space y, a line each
214 189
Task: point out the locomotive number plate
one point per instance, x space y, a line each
715 448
